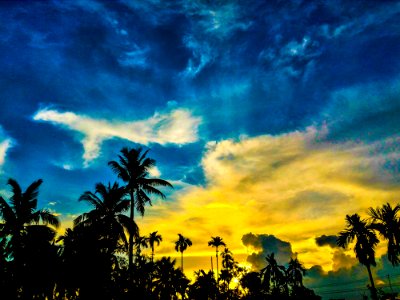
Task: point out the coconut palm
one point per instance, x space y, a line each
109 205
133 168
273 275
386 221
181 245
216 242
153 238
295 272
366 241
21 212
140 242
26 240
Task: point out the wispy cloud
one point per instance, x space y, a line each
5 145
174 127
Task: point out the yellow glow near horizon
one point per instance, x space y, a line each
291 186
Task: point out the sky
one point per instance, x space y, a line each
272 119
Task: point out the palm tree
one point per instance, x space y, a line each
295 272
22 212
366 240
108 214
387 223
133 168
181 245
20 227
273 275
141 242
216 242
152 239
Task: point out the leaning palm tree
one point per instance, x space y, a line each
366 241
109 205
153 238
216 242
133 168
181 245
386 221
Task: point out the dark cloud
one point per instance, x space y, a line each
326 240
266 244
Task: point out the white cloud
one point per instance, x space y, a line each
175 127
5 144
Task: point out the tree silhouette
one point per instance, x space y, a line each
153 238
216 242
133 168
295 272
108 214
140 242
204 286
21 230
168 281
273 276
181 245
386 222
366 240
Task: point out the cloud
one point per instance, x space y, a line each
5 144
178 126
266 244
326 240
295 186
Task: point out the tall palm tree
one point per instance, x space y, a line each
153 238
386 221
181 245
366 241
109 205
133 168
216 242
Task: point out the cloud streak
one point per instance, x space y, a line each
175 127
5 145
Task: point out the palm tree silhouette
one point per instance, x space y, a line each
20 226
295 272
386 222
273 275
152 239
216 242
181 245
108 214
140 242
133 168
366 240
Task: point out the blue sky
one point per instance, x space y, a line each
81 79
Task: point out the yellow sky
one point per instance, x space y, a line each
293 186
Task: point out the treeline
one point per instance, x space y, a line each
382 221
101 256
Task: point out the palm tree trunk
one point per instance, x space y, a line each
130 246
182 261
217 264
374 296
